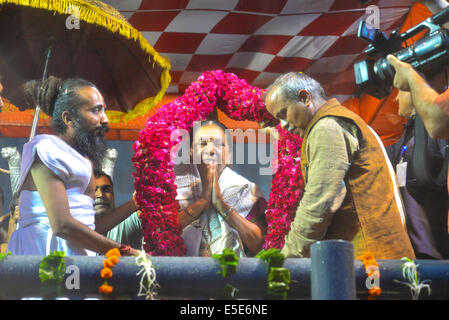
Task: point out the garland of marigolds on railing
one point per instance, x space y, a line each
112 258
278 277
372 271
154 178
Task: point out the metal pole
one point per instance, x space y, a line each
44 76
333 275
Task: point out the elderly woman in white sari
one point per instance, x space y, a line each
219 208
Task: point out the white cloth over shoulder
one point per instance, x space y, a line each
34 235
210 234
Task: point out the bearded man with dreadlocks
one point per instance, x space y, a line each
57 184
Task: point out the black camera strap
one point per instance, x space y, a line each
421 161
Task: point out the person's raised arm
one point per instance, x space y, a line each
193 211
424 98
105 222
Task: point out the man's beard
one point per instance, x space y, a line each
91 142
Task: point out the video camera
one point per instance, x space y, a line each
426 55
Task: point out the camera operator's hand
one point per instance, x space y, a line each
432 107
403 74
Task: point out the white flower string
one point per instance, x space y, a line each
411 274
146 288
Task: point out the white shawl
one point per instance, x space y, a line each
210 234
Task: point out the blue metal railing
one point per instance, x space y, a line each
331 273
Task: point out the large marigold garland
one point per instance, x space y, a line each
154 177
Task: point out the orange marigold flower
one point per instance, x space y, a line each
376 291
368 261
113 259
105 288
106 273
373 293
107 263
113 252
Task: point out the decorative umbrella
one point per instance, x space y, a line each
80 38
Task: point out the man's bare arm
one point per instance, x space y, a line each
106 222
58 211
434 118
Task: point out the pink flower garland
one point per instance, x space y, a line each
154 178
286 189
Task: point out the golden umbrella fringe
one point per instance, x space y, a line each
119 116
123 117
96 12
142 107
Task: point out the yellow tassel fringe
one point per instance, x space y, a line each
98 13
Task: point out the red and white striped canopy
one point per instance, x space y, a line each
260 39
